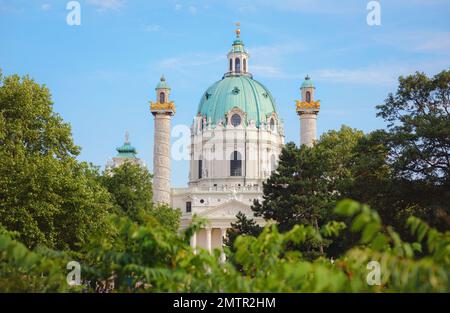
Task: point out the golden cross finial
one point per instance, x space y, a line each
238 30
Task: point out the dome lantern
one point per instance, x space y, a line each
238 57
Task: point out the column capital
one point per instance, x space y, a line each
303 107
162 108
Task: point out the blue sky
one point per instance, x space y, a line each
102 74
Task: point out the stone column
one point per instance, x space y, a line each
308 127
194 242
208 239
161 159
223 233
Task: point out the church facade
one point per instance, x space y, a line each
236 139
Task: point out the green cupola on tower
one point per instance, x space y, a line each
162 84
126 150
307 83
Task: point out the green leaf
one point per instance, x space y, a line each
369 231
347 207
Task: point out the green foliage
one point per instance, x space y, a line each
131 189
167 216
308 182
402 269
419 127
45 194
151 258
418 149
22 270
130 186
244 226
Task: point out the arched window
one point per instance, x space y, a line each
162 97
245 65
231 65
237 65
308 96
272 124
235 164
200 168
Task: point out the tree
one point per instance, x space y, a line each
242 226
167 216
418 139
47 196
131 188
419 127
308 182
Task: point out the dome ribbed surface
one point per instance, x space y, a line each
243 92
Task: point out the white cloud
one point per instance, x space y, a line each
267 71
378 74
276 50
178 7
192 10
189 61
370 75
437 42
46 7
268 61
419 41
104 5
151 28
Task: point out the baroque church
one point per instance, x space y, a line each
236 139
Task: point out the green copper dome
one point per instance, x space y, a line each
162 83
126 150
307 83
239 91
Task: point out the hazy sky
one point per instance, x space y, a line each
102 73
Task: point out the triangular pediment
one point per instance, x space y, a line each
228 209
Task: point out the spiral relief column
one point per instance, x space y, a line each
162 110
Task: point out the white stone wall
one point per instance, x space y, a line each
161 159
214 146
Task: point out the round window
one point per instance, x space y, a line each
236 120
